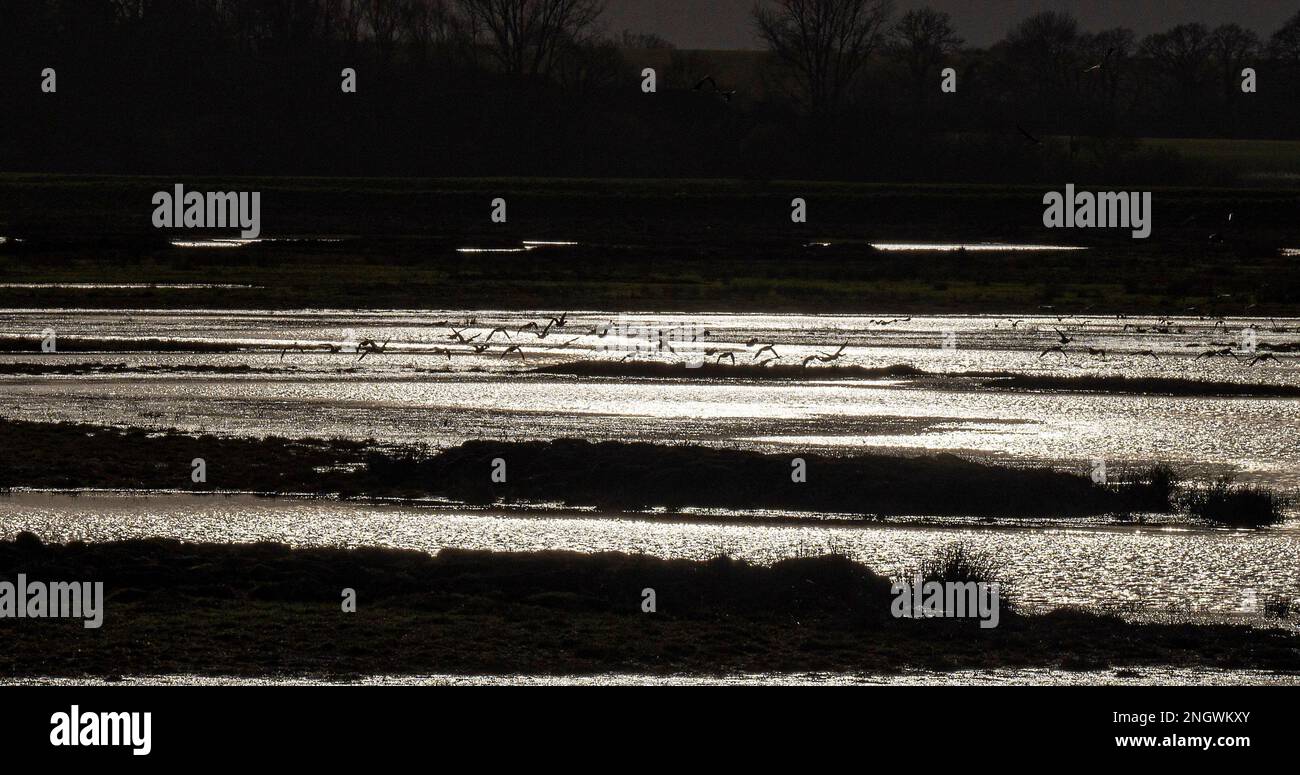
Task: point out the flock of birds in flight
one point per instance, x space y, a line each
467 338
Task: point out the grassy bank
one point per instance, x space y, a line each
610 475
267 609
1171 386
644 245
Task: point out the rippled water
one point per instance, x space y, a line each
1020 677
1160 570
409 394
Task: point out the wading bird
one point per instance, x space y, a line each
766 348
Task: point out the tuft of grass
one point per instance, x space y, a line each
960 563
1224 503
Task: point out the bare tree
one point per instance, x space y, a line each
384 18
1182 54
526 34
826 43
1108 75
1044 52
351 16
921 40
1231 48
1284 46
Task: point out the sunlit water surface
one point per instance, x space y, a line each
1017 677
1154 570
429 387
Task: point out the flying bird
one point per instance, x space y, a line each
835 356
1028 136
710 82
1212 353
1103 62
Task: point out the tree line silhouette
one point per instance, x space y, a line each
847 89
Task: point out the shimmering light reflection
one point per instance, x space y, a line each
973 247
1141 676
411 393
211 243
1165 570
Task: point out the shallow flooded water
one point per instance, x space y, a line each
1021 677
1169 570
428 384
420 379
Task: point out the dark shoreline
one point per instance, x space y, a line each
267 609
1171 386
643 245
575 472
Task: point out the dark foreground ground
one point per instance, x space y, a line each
610 475
267 609
692 245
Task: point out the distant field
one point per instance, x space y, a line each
1258 159
642 245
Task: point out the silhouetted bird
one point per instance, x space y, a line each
835 356
708 81
1028 136
1212 353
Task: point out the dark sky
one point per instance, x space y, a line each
725 23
